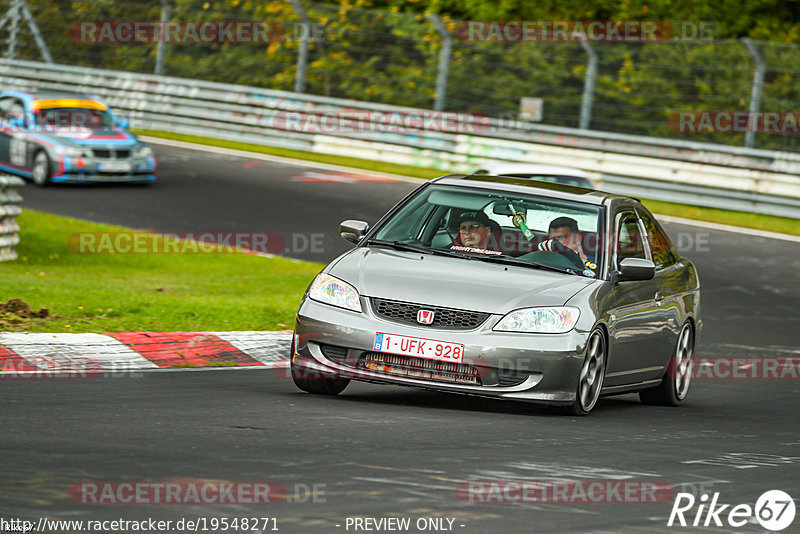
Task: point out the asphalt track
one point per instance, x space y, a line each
378 451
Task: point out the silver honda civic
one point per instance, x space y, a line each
507 288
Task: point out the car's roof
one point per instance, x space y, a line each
496 169
523 185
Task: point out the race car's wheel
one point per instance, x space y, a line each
593 372
675 384
314 382
41 168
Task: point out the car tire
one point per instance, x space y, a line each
319 384
42 171
592 375
675 383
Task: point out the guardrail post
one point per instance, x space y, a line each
755 95
161 51
588 85
444 61
302 52
9 210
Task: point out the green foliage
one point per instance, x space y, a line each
388 51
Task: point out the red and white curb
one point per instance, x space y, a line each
26 353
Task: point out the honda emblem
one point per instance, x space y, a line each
425 316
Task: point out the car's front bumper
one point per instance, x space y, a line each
88 170
549 364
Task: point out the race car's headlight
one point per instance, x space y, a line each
69 151
330 290
557 320
143 152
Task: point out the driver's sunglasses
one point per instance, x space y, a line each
470 227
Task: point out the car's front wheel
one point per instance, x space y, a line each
41 168
675 384
314 382
592 374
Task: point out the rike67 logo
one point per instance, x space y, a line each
774 510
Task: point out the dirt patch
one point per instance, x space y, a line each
16 314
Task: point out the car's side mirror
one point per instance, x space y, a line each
353 231
631 269
123 123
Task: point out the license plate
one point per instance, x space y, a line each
419 347
115 166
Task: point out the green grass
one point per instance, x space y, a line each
734 218
138 292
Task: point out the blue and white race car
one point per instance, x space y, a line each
66 137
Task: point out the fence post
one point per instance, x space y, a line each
444 62
161 50
588 85
302 52
755 95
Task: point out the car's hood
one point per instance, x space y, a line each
81 138
453 282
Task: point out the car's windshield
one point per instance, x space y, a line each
496 226
74 119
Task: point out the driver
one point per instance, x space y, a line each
564 235
474 229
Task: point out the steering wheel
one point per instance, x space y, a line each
554 245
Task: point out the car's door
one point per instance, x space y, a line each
671 276
13 137
636 324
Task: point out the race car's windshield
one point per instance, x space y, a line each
498 226
74 119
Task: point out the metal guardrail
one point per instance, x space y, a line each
9 210
705 174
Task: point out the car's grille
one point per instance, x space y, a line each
334 353
107 153
448 318
426 369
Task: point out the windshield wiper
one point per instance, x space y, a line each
400 245
510 260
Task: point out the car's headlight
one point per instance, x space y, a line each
330 290
143 152
556 320
69 151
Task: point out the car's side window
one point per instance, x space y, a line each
663 252
16 109
630 243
